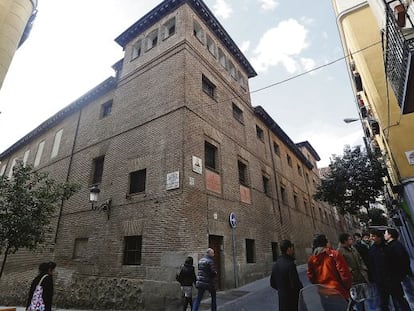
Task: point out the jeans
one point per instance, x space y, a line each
200 296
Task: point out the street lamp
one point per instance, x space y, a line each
350 120
93 199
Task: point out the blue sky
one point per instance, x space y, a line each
71 49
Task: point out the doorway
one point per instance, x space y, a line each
216 242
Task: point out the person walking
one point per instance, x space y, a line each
206 280
285 278
328 267
41 288
398 262
355 263
186 277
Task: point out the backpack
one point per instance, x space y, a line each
37 303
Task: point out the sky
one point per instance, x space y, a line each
71 49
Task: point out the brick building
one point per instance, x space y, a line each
175 145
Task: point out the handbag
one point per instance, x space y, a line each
37 303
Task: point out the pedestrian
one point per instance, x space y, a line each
206 279
398 262
328 267
186 277
41 290
362 243
285 278
355 263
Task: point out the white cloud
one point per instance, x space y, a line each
307 63
244 47
307 20
222 9
268 4
280 45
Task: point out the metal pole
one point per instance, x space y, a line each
236 278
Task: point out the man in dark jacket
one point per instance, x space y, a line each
285 278
398 262
206 279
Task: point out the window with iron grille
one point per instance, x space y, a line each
276 148
137 181
237 113
106 109
259 133
250 251
289 160
283 194
210 154
266 185
133 250
97 166
208 87
242 173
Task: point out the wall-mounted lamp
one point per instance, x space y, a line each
93 199
350 120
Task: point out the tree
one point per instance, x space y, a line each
28 201
374 217
352 181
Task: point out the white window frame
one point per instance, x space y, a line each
25 157
232 69
167 26
198 31
56 144
150 39
11 167
211 46
222 58
39 152
137 49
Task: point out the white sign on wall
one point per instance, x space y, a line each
197 165
173 180
410 156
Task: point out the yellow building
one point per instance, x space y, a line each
16 18
378 42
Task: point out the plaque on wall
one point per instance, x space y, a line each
197 165
173 180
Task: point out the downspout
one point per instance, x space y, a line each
68 173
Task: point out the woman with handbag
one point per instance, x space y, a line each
41 289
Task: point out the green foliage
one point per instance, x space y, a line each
27 203
374 217
352 181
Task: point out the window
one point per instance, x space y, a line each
198 32
12 167
232 70
307 177
210 153
56 144
289 160
137 49
81 248
242 173
152 39
276 148
106 109
259 133
208 87
283 194
266 185
222 58
250 251
133 250
169 28
295 201
275 250
299 170
137 181
98 164
237 113
25 158
39 153
211 46
241 79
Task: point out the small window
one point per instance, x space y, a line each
276 148
237 113
299 170
56 144
12 167
307 177
275 251
133 250
296 201
208 87
241 79
210 156
169 28
211 46
152 39
242 173
137 181
97 165
259 133
137 49
3 169
289 160
283 194
250 251
25 158
198 32
232 70
39 153
266 185
222 58
106 109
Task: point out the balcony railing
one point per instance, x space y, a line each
399 51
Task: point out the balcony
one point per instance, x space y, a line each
399 51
